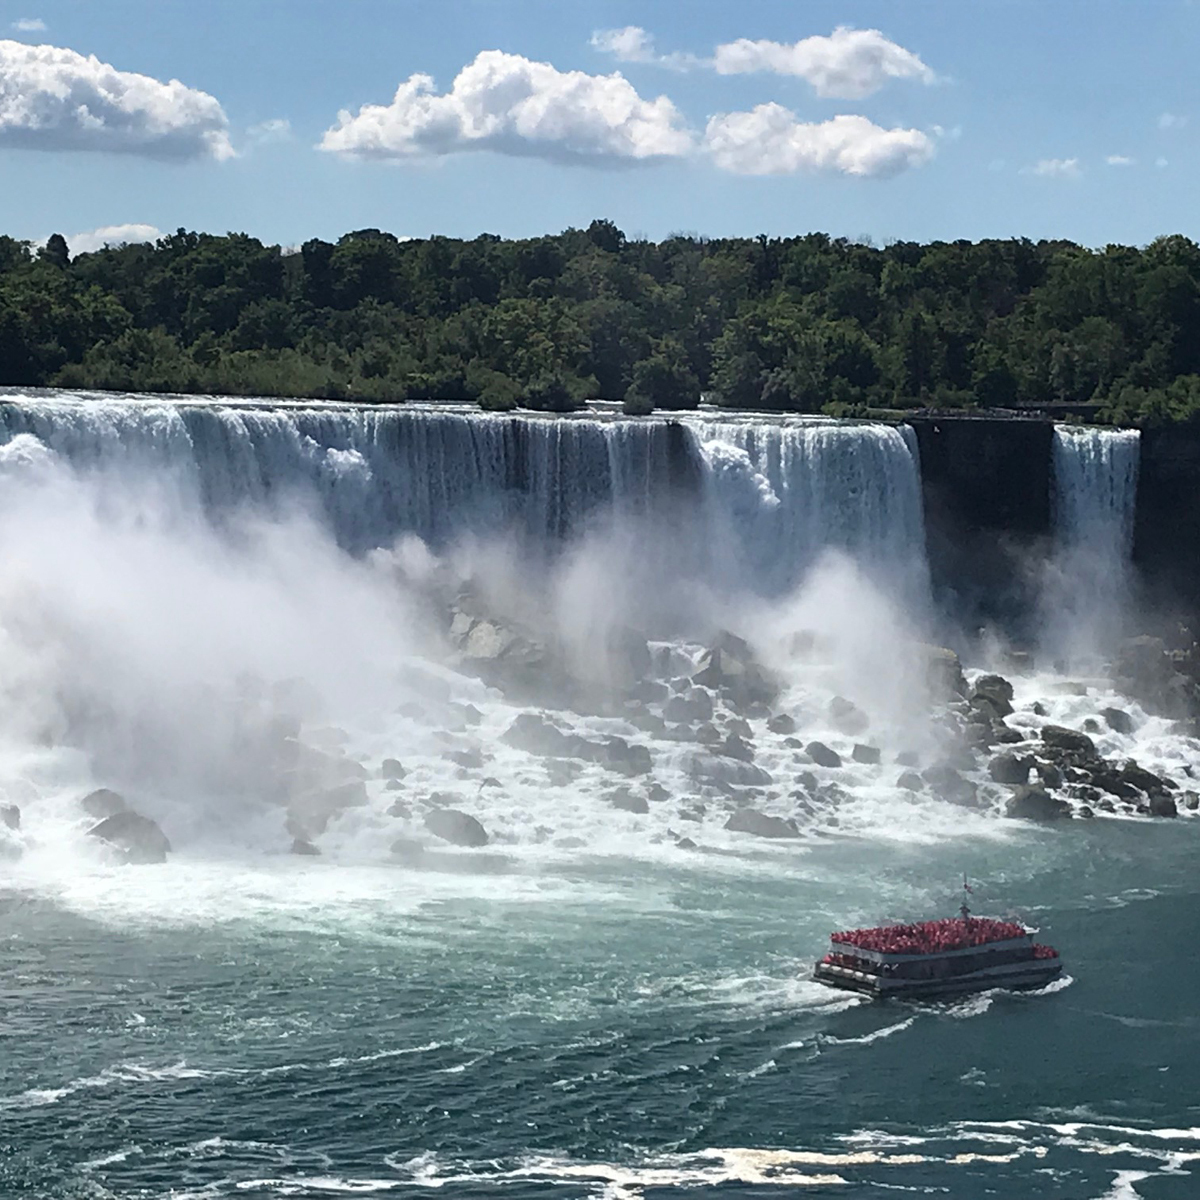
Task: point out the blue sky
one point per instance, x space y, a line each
919 120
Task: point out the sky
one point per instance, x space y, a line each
899 119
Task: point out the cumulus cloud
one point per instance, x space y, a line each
30 25
771 140
847 65
513 105
1171 121
1060 168
634 45
111 235
1119 160
55 99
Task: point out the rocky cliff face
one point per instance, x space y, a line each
1166 547
987 486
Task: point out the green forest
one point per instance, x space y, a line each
803 324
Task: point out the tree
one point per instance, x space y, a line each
664 380
55 251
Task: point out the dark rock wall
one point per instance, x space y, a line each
1166 547
987 486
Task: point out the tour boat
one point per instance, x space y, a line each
938 958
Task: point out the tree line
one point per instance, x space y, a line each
799 324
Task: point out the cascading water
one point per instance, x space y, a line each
1095 493
755 503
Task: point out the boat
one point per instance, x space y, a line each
948 957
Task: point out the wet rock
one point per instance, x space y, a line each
400 808
304 847
730 666
822 755
137 839
1117 719
908 758
847 717
1038 708
649 691
910 781
1010 768
1108 780
562 772
103 802
943 672
408 850
10 816
468 712
391 769
735 747
616 754
808 781
1191 801
749 820
693 705
1006 736
1163 805
457 828
739 727
866 754
685 843
1034 804
1144 780
996 691
703 766
1085 812
471 760
656 793
1068 739
782 723
1049 773
1091 725
947 784
536 734
626 801
394 785
708 735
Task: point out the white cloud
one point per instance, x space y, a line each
1061 168
279 129
30 25
847 65
1171 121
1120 160
54 99
770 140
631 44
1160 162
634 45
111 235
512 105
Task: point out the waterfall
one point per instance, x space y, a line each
1095 493
754 502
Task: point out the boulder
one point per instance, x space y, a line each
471 760
1068 739
103 802
947 784
409 850
1049 773
1085 811
730 666
1108 780
457 828
910 781
656 793
822 755
468 712
703 766
693 705
627 802
1143 780
1163 805
685 843
1033 804
312 811
138 839
304 847
996 690
1010 768
749 820
535 734
562 772
908 758
943 672
847 717
782 723
1117 719
391 768
808 781
866 754
735 747
616 754
400 808
10 816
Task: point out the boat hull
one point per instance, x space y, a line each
1014 976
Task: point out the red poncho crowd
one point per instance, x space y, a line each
930 937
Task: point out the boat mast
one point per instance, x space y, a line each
965 908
